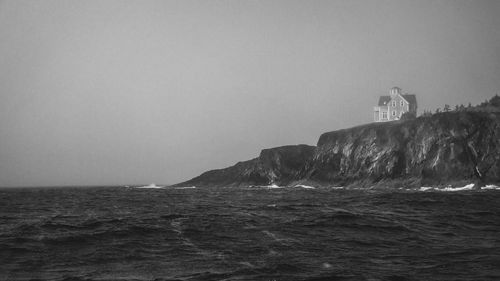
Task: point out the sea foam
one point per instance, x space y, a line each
305 186
491 186
467 187
273 186
448 188
149 186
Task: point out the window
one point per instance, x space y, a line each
394 103
401 103
384 115
394 113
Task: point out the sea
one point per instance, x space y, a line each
253 233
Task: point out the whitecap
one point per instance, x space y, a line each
490 186
274 186
305 186
185 187
449 188
150 186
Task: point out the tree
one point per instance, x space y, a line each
446 108
438 110
495 101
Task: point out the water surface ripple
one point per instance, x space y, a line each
114 233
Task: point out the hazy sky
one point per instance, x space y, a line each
125 92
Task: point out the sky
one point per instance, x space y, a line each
135 92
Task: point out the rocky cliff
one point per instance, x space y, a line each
280 165
445 148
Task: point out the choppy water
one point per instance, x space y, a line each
112 233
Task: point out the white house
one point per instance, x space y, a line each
393 106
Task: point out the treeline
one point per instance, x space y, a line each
492 105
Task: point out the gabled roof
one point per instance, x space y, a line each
383 100
411 99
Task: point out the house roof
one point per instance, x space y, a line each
384 100
412 99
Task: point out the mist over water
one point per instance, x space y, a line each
113 233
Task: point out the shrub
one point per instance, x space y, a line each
408 116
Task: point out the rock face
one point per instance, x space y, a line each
280 165
441 149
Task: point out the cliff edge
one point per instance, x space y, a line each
442 149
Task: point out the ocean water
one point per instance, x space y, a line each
116 233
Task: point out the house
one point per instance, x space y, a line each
393 106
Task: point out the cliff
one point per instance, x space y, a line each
280 165
445 148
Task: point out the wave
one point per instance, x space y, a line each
448 188
150 186
463 188
185 187
305 186
272 186
491 186
278 238
467 187
250 234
